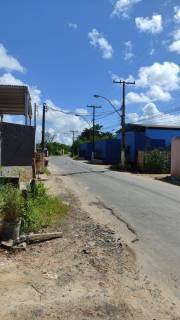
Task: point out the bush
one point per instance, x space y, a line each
41 209
156 161
36 208
11 203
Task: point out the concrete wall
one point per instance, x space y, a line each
17 144
175 157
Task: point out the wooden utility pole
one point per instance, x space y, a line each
73 133
94 110
43 128
123 121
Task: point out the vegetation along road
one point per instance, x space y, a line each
149 209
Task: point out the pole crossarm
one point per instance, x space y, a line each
123 81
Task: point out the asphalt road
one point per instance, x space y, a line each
151 207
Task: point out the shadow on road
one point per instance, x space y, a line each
81 172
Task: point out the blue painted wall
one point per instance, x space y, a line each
109 150
106 150
166 135
113 151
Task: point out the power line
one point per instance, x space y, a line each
158 116
105 116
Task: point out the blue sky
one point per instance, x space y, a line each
68 50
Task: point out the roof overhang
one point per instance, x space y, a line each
15 100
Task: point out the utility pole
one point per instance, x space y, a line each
43 127
73 133
123 121
94 110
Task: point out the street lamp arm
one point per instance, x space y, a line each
109 101
83 117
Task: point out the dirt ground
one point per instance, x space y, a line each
89 274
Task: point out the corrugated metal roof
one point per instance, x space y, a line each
134 126
160 126
15 100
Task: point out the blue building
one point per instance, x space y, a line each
106 150
147 137
138 137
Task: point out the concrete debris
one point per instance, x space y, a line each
21 243
7 244
39 237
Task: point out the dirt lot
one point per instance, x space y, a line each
91 273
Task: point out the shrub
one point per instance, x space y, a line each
11 203
41 209
36 208
156 161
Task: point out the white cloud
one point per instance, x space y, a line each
122 7
98 40
73 26
158 81
62 122
175 45
116 77
8 62
176 34
128 53
165 75
81 111
9 79
152 116
133 97
153 25
177 14
157 93
149 111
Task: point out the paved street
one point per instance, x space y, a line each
151 207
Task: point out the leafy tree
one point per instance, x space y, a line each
87 133
55 148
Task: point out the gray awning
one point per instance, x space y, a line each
15 100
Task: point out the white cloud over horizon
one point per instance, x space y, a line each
8 62
62 123
152 116
152 25
98 40
154 83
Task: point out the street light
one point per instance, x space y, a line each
109 101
